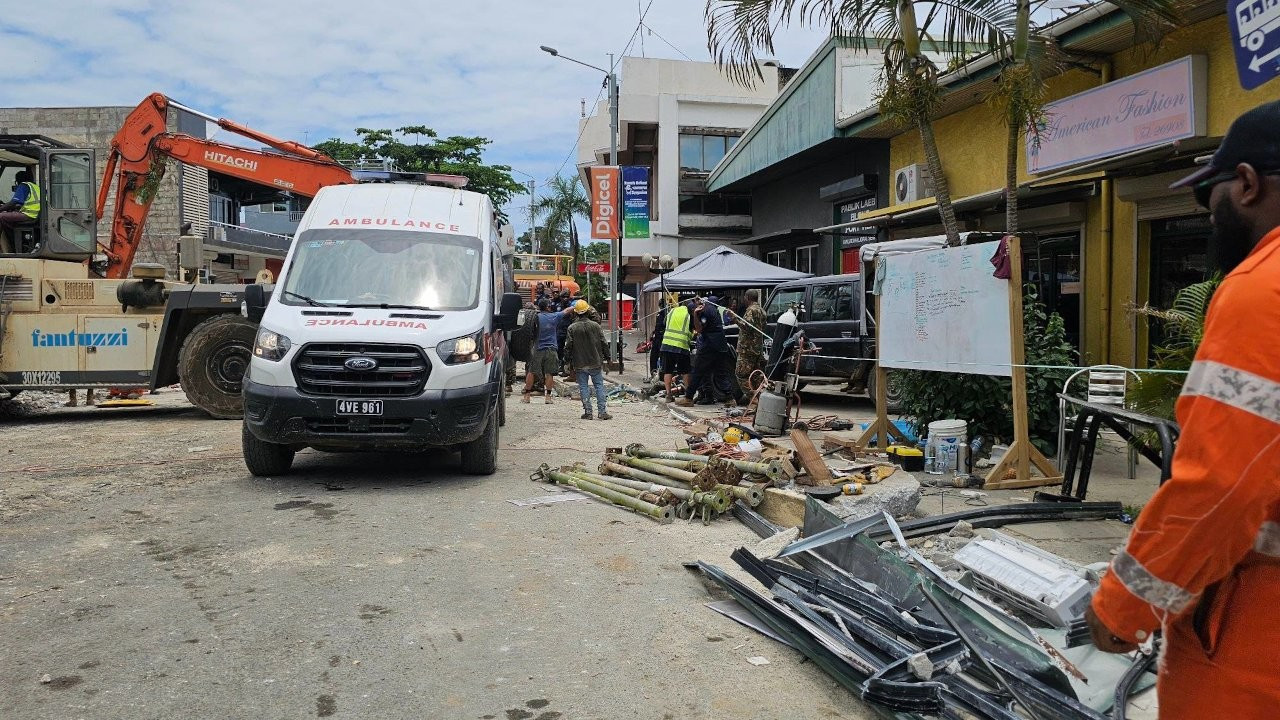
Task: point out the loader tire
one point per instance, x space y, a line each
212 364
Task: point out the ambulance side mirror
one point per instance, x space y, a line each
255 302
508 315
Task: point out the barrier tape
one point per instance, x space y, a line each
1028 366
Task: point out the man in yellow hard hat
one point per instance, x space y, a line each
584 352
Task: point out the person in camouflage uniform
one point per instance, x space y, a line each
750 342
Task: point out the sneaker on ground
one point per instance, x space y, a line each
587 416
606 416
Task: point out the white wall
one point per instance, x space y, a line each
671 94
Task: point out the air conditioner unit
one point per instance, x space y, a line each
912 183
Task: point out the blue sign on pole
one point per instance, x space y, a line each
1255 35
635 202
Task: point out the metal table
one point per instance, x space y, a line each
1084 437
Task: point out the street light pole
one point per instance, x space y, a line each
615 275
615 244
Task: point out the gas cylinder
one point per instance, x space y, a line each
771 413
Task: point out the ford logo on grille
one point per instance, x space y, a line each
360 364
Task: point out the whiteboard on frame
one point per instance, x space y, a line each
944 310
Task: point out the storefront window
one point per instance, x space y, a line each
1179 257
1053 265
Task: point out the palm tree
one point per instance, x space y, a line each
738 29
561 205
1031 58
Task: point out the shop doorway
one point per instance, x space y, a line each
1179 257
1052 264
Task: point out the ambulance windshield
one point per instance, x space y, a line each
393 268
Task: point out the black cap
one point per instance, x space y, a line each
1253 138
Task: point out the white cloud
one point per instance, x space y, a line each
319 69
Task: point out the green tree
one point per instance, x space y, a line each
595 287
560 206
910 93
454 155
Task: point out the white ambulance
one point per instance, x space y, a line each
385 329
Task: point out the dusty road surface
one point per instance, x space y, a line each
145 574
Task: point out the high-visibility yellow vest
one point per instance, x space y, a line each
678 333
31 208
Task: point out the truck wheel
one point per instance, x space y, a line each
212 363
480 456
264 459
892 393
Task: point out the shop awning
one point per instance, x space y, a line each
926 212
776 235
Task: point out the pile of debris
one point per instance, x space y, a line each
902 633
665 485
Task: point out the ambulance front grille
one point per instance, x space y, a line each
401 370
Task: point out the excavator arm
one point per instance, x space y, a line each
137 158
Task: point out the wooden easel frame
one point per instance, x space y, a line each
1022 454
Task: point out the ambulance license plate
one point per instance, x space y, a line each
359 407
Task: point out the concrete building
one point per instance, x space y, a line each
183 195
1102 231
802 172
678 118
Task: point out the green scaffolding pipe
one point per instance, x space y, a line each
663 515
771 469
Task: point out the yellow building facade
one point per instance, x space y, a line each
1109 234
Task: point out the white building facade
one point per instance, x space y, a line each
679 118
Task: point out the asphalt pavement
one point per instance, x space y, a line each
145 574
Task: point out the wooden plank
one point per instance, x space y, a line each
1020 484
784 507
811 459
1021 431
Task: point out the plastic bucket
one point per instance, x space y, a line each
948 444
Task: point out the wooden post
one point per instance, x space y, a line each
881 429
1022 453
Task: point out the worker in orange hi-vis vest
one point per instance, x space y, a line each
1203 560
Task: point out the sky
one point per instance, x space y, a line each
313 70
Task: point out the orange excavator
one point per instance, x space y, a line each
136 164
70 321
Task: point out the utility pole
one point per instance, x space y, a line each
615 255
533 220
615 244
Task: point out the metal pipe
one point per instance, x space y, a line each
753 495
635 462
623 470
718 500
689 465
663 515
645 491
771 469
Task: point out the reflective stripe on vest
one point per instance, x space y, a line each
31 208
677 333
1161 594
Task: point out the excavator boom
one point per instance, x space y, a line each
136 164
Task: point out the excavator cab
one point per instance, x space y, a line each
66 228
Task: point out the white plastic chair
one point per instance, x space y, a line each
1106 385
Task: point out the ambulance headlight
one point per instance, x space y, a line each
465 349
271 345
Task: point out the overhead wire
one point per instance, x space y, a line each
612 70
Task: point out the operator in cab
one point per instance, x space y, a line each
22 209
